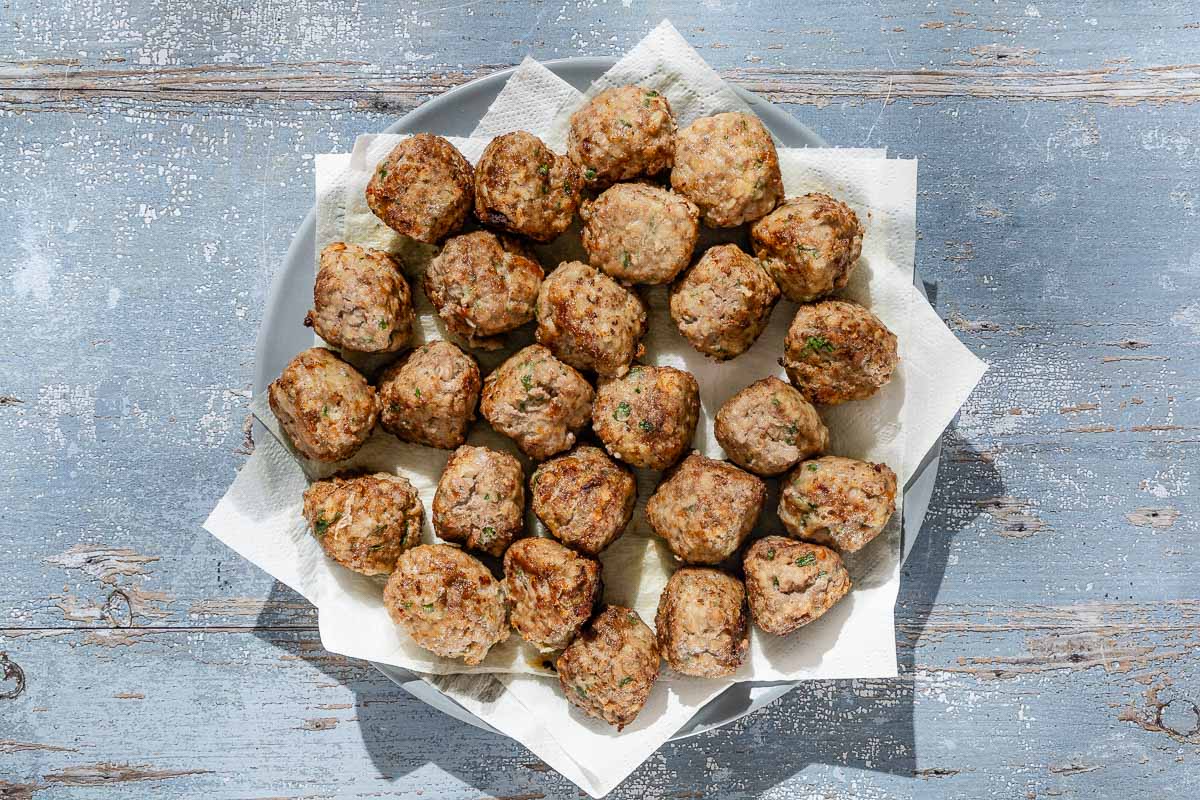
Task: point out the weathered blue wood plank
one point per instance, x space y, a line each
157 161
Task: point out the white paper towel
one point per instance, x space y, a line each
259 517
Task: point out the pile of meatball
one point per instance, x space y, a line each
642 190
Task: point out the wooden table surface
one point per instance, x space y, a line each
156 158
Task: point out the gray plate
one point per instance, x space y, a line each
456 113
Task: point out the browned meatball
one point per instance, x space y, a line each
610 668
324 405
808 245
701 623
722 304
589 320
364 522
552 591
621 133
480 500
584 498
727 165
483 285
839 502
447 601
705 509
430 396
523 187
537 401
639 233
361 300
769 427
422 189
837 351
648 417
791 583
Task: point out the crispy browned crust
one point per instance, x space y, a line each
839 502
584 498
702 624
790 583
836 351
429 397
809 245
423 189
364 522
523 187
552 591
326 408
610 668
590 321
622 133
722 304
648 417
480 500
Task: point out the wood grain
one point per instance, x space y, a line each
158 157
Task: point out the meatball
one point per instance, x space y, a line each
727 165
589 320
523 187
791 583
361 300
701 623
769 427
480 500
639 233
483 285
552 591
808 245
324 405
610 668
648 417
430 396
537 401
584 498
838 502
422 189
447 601
621 133
722 304
705 509
364 522
837 351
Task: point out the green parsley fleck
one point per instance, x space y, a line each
775 581
822 573
487 496
408 604
527 381
775 402
813 467
805 560
628 679
625 260
384 324
625 122
487 533
567 188
633 617
543 170
622 411
579 690
589 174
395 408
417 392
771 554
428 606
383 172
321 526
324 411
818 344
805 250
652 93
646 425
